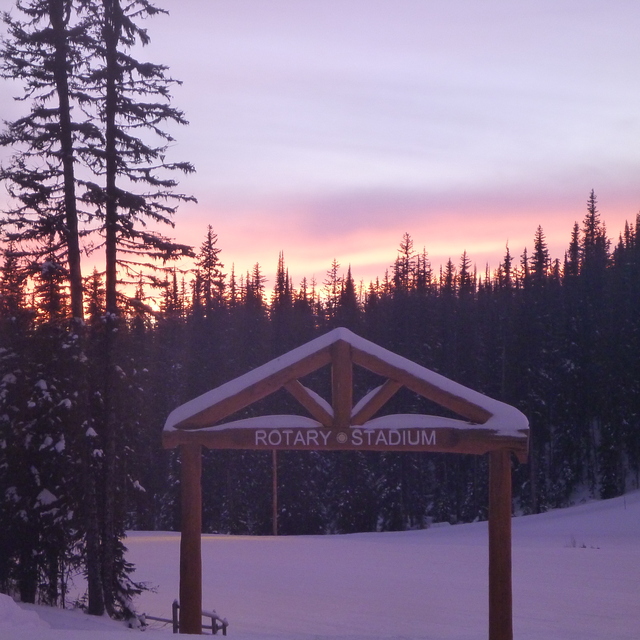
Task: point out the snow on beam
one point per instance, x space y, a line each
317 406
373 401
456 402
342 349
217 404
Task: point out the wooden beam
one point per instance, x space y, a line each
274 492
446 399
306 399
376 402
341 384
444 440
500 594
190 540
256 391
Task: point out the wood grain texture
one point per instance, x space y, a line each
376 402
454 403
444 440
190 539
341 384
261 389
500 598
302 395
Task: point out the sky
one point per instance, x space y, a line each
328 129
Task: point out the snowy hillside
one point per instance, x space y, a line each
576 577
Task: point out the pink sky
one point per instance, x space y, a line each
481 226
328 129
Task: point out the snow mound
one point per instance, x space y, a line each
13 617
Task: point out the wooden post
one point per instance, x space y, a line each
274 509
190 540
341 384
175 612
500 599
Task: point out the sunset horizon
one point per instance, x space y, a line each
327 131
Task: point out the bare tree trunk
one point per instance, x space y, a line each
110 32
110 35
94 574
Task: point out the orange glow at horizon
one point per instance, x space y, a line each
258 235
255 237
327 130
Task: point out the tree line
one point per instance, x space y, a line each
556 338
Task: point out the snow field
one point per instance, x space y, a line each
575 577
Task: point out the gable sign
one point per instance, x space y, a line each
484 425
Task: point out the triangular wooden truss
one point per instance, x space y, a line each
485 424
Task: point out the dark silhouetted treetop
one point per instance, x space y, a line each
404 266
595 244
573 256
132 102
48 50
332 285
540 259
448 279
466 278
211 279
423 273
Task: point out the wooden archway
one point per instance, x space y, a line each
487 426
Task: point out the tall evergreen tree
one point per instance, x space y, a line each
75 57
132 102
47 51
12 283
404 266
540 259
211 279
466 279
332 287
348 311
123 92
573 255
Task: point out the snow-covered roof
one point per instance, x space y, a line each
480 411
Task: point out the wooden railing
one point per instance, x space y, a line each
217 623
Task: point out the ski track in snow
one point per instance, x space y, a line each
576 576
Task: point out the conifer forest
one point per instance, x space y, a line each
92 364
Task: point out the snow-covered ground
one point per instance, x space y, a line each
576 576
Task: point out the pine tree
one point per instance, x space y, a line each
404 266
283 332
595 247
573 256
95 297
540 258
423 274
466 280
122 93
12 283
47 51
332 287
211 279
134 186
75 57
39 462
348 311
50 282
